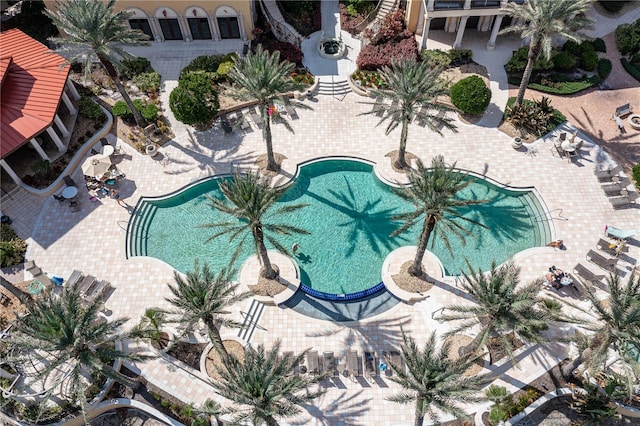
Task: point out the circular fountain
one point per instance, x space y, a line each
332 48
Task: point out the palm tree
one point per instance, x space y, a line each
613 325
203 295
252 201
435 381
64 333
501 307
434 194
412 91
263 77
95 30
150 327
264 385
543 21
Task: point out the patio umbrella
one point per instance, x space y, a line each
96 165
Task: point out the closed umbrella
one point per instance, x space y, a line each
96 165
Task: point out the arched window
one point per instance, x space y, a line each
198 23
168 20
227 19
139 21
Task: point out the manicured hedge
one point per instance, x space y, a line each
635 72
599 45
636 174
604 68
88 108
612 6
195 100
149 111
133 67
471 95
628 38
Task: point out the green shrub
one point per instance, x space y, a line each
149 111
535 117
209 63
586 46
571 47
518 61
635 72
41 169
628 38
194 101
148 82
359 7
133 67
88 108
460 56
436 57
12 247
120 109
604 68
564 61
636 174
471 95
589 60
599 45
223 70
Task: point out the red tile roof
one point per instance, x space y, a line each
32 84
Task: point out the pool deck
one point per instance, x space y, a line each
93 240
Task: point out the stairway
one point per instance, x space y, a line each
331 85
280 28
386 7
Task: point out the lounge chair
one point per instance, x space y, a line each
369 365
289 108
352 364
624 201
588 277
68 181
75 277
601 261
394 359
378 109
616 250
608 175
329 364
100 292
624 110
85 284
621 234
616 188
312 362
255 117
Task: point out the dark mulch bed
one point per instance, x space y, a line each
348 23
189 353
496 352
304 16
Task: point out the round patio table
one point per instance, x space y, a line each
69 192
107 150
35 287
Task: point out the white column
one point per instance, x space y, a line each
425 33
61 126
467 4
184 27
69 104
243 33
494 32
155 29
72 88
39 150
463 23
10 172
215 34
430 5
56 138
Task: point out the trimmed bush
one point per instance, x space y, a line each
12 248
518 62
571 47
564 87
133 67
471 95
436 57
589 60
194 101
635 72
88 108
223 70
148 82
120 109
148 111
460 56
564 61
604 68
599 45
635 171
628 38
209 63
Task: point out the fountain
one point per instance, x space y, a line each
332 48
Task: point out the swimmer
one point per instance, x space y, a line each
294 248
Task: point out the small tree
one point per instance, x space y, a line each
195 100
471 95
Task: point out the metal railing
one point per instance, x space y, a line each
369 18
282 30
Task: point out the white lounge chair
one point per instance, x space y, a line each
621 234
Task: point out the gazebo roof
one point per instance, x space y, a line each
32 79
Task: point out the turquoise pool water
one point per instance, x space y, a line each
349 219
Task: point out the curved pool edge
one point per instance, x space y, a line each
392 264
289 273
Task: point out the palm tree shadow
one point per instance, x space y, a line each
347 411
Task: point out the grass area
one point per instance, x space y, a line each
560 87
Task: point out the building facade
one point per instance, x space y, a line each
188 21
423 16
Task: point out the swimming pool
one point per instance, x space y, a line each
349 219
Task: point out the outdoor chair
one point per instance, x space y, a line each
312 362
352 365
369 365
624 201
329 363
605 263
100 292
616 250
75 277
255 117
104 142
562 136
620 234
612 189
588 277
394 359
624 110
85 283
557 148
608 175
289 108
377 109
68 181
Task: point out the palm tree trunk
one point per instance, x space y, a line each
111 70
419 420
24 296
266 135
270 421
427 227
471 347
267 270
216 339
534 50
570 367
401 162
